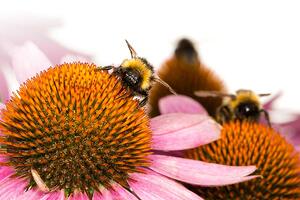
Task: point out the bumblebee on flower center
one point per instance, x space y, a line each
73 127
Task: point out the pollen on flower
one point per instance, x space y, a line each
253 144
77 128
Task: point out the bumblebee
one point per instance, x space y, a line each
245 104
185 72
137 74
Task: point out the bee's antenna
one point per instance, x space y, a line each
267 117
204 93
157 79
263 95
132 51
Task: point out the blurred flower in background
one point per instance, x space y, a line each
290 129
25 30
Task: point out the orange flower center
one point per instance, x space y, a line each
253 144
77 127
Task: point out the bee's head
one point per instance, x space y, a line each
140 71
135 72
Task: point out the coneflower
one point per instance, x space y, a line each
245 143
74 131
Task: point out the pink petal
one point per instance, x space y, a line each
269 104
59 195
78 196
2 106
120 193
28 60
200 173
56 51
36 30
4 93
156 187
104 195
290 130
13 188
73 58
31 194
180 104
177 131
5 171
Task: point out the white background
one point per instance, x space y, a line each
250 44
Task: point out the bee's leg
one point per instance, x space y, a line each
143 101
266 116
223 114
109 67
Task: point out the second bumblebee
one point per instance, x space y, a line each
244 105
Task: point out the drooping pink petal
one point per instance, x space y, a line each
27 60
13 188
5 171
120 193
200 173
78 196
180 104
104 195
156 187
177 131
31 194
59 195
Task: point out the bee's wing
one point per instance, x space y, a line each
203 93
264 94
132 51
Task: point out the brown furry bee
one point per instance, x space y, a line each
245 104
137 74
186 73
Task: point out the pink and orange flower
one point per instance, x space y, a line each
158 179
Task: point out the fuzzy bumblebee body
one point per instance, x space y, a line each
185 73
244 105
137 74
141 70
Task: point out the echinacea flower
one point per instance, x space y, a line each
74 131
245 143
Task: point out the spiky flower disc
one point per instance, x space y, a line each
253 144
77 127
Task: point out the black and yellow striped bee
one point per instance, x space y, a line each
245 104
137 74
